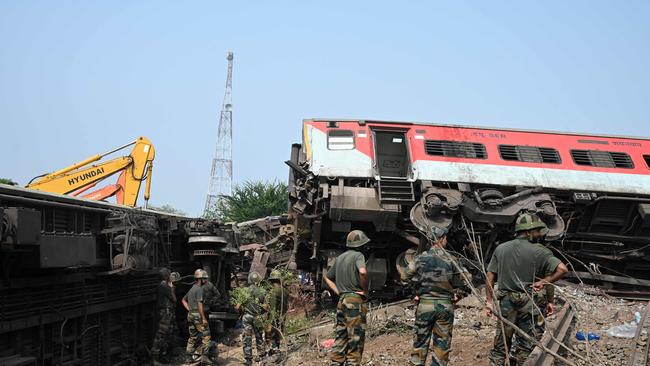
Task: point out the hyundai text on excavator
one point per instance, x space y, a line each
78 178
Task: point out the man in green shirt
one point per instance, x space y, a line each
348 279
521 269
438 282
278 306
163 344
252 309
198 343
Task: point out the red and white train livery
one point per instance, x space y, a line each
396 180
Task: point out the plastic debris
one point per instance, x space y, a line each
627 330
327 344
590 336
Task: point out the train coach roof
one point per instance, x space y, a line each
468 126
16 193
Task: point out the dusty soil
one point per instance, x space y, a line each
390 335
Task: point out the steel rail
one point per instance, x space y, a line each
557 331
635 345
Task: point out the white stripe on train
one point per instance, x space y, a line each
353 163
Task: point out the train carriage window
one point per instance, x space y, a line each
340 140
603 159
647 160
529 154
455 149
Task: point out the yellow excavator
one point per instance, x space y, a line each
78 178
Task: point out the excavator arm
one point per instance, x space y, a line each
77 178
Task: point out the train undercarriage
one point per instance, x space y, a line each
597 232
78 277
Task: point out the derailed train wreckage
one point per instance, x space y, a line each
398 180
78 277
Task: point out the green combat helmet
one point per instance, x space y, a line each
164 274
275 275
438 233
175 277
199 273
356 238
254 278
528 221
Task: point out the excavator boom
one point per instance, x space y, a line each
77 178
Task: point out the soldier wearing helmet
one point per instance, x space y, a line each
521 269
252 309
163 342
348 279
277 306
438 282
198 343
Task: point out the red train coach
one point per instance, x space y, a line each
396 180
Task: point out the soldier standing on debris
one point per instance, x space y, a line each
211 298
163 342
252 309
438 284
278 306
348 279
517 266
199 327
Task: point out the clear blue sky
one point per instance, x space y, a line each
80 77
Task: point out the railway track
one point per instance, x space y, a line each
558 331
640 352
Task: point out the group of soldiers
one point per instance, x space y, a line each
523 269
258 306
200 347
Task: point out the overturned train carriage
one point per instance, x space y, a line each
398 180
78 277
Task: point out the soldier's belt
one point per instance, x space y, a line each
351 294
429 300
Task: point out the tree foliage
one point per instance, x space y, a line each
167 209
252 200
8 181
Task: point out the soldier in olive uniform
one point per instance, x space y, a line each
163 342
253 309
438 284
519 266
211 298
348 279
198 342
278 306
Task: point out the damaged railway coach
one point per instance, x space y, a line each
398 180
79 277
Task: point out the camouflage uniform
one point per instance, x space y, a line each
252 310
278 306
518 263
350 330
163 342
198 343
211 300
436 279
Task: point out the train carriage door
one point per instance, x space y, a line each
391 154
393 165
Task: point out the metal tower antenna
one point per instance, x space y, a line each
221 174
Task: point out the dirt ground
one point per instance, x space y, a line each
389 335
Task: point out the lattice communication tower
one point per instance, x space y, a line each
221 174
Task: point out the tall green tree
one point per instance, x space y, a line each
252 200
